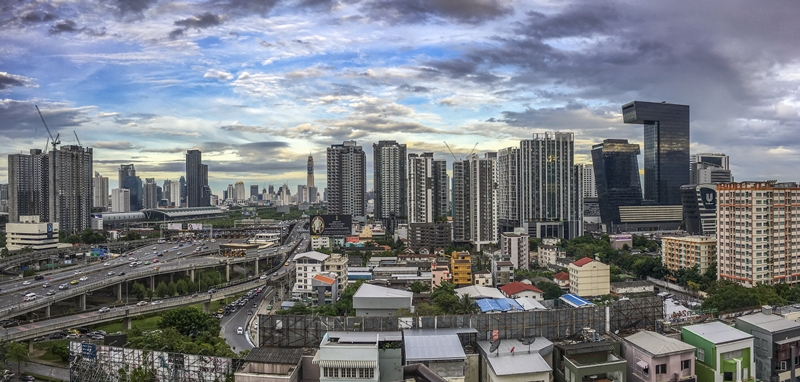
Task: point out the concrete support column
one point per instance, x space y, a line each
170 277
256 266
126 323
191 274
30 346
83 302
228 272
281 290
153 283
207 307
47 311
119 292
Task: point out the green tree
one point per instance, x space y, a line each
162 290
419 287
18 353
188 321
139 290
725 296
444 297
60 349
181 287
465 305
73 239
551 290
2 239
423 309
172 289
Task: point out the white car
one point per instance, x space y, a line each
111 273
104 309
26 283
107 264
141 303
84 278
239 330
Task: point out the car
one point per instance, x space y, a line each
106 263
111 273
84 278
131 259
160 254
156 302
141 303
121 274
50 293
263 277
155 261
154 248
78 272
274 273
26 283
249 312
46 285
63 286
97 337
239 330
74 282
72 335
27 378
104 309
38 277
212 290
179 253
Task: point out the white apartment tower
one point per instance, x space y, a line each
757 232
120 200
508 189
516 246
710 168
586 172
150 194
427 188
100 191
390 171
474 200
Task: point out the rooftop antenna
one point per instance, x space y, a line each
55 140
451 151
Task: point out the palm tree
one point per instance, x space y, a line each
466 305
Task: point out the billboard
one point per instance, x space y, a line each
352 239
708 196
195 227
175 226
331 225
49 230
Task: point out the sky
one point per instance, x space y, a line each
257 85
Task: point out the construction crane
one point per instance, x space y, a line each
55 141
76 138
451 151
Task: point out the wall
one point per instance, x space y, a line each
390 364
309 371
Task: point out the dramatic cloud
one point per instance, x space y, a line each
131 9
116 145
8 81
66 26
38 17
201 21
421 11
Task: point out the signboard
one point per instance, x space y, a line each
708 197
49 230
89 350
351 239
175 226
195 226
331 225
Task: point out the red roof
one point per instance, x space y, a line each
583 261
324 279
563 276
516 287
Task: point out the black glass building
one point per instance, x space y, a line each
666 148
616 171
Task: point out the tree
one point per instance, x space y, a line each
444 297
424 309
181 287
419 287
162 290
465 305
73 239
139 290
18 353
726 296
188 321
172 290
551 290
60 349
2 239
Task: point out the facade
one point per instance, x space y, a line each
351 358
318 242
589 278
616 170
311 188
503 272
723 353
550 196
589 361
124 171
518 289
28 185
461 268
700 208
194 179
687 251
336 264
710 168
757 235
120 200
632 287
474 201
427 188
666 148
430 236
29 232
71 188
562 280
653 357
776 342
373 300
134 185
508 365
508 195
390 172
100 191
307 265
175 194
325 288
347 180
439 274
239 192
150 194
547 255
588 184
516 247
482 278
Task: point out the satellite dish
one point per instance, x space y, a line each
495 345
616 331
528 341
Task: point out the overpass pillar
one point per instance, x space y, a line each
191 274
30 346
47 311
207 307
170 277
83 302
256 267
228 272
126 323
119 292
153 283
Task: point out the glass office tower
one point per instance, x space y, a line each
666 148
616 171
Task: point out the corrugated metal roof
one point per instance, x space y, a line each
657 344
430 348
587 347
438 332
515 287
521 362
476 292
583 261
574 300
498 305
528 303
365 337
769 322
369 290
285 356
717 332
312 255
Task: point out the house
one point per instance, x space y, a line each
373 300
547 255
503 272
483 278
653 357
461 268
336 263
562 280
326 288
447 352
360 356
589 278
439 273
776 344
723 353
307 265
632 287
358 273
271 365
513 362
592 361
518 289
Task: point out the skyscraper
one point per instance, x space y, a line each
28 185
616 170
120 200
238 191
125 170
175 193
3 192
666 148
134 184
587 181
420 199
389 164
167 191
194 178
231 193
253 190
149 194
550 202
70 188
347 179
100 191
182 201
508 189
474 208
710 168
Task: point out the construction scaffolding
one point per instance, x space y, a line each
307 331
96 363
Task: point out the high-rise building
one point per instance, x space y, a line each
516 247
687 251
100 191
70 188
710 168
120 200
231 194
587 181
474 208
238 192
347 179
253 190
28 185
150 194
194 178
284 196
311 188
427 194
125 170
551 203
167 190
666 148
616 170
134 184
302 194
700 208
175 193
390 172
182 182
3 192
271 189
757 236
508 204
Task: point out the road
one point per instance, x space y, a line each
239 319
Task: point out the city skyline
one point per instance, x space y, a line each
258 85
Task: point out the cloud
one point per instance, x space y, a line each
19 118
38 17
200 21
65 26
8 81
175 33
130 9
413 89
423 11
218 74
114 145
248 7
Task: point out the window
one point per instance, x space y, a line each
701 355
661 369
727 376
685 364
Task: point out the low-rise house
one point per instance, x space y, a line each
776 344
513 362
461 268
547 255
373 300
271 365
504 272
307 265
337 263
632 287
518 289
653 357
385 273
483 278
594 361
360 356
562 280
723 353
439 273
447 352
326 288
589 278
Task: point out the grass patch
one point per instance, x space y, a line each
48 355
145 323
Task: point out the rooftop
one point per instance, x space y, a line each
632 284
717 332
515 287
433 347
769 322
498 305
583 261
286 356
505 264
657 344
324 279
528 303
369 290
314 255
563 276
364 337
520 361
476 292
575 301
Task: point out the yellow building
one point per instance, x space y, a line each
461 268
589 278
337 263
686 252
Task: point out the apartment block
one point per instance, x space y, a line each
688 251
589 278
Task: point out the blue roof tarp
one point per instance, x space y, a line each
498 305
575 301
